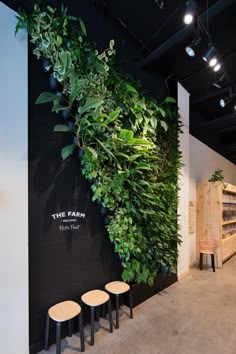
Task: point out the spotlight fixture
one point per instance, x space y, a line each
217 67
210 56
160 3
190 12
191 49
218 82
225 101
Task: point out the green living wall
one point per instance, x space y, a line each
127 141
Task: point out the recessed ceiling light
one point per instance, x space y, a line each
222 102
213 61
190 12
217 67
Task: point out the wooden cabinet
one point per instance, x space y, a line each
216 217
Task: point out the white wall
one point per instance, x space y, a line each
203 161
183 249
13 186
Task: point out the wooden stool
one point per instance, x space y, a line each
61 312
207 247
117 288
93 299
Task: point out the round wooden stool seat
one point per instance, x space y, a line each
95 298
64 311
61 312
207 247
117 287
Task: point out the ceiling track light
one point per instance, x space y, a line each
210 56
218 83
190 13
160 3
191 49
227 100
217 67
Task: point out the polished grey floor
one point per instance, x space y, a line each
195 315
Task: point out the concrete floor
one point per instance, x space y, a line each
195 315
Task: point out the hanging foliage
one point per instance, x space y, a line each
128 142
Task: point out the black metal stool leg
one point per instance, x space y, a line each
110 315
97 313
70 328
213 262
131 303
117 310
47 332
92 326
103 310
58 343
81 332
201 260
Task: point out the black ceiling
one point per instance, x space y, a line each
162 36
159 36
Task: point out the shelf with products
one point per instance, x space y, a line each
228 197
228 247
227 222
216 217
228 229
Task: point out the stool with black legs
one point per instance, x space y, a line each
61 312
207 247
117 288
93 299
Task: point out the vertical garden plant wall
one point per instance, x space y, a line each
127 141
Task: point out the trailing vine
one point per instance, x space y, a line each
128 141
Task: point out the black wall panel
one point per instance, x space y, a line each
63 263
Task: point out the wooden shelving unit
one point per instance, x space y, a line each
216 217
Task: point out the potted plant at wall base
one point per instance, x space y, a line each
129 142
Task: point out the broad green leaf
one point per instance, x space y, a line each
163 113
144 168
130 88
134 157
73 18
170 100
57 107
90 104
164 125
137 141
61 128
122 155
112 43
82 27
67 151
126 134
113 116
93 152
66 60
50 9
59 41
105 148
153 121
98 124
45 97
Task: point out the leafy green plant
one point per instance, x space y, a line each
128 141
217 176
